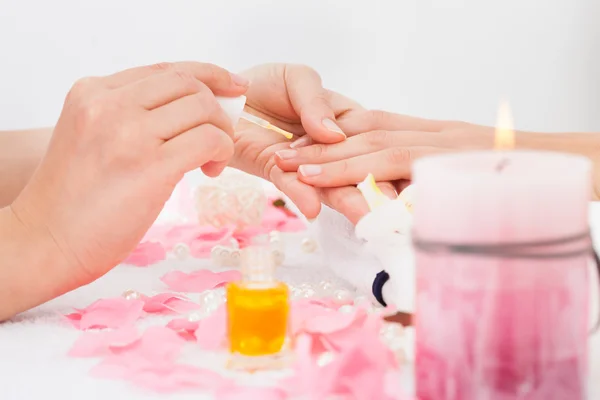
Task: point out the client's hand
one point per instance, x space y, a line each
119 148
387 148
293 98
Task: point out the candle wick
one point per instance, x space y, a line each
502 164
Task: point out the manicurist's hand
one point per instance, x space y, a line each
120 146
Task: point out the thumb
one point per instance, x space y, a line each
311 102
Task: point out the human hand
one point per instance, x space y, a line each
121 145
387 148
291 97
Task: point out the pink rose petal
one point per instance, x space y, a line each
199 281
179 377
107 313
211 332
168 302
146 253
184 327
250 393
94 344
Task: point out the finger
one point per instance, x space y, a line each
311 102
219 80
401 184
186 113
346 200
368 142
373 120
385 165
159 89
305 197
195 148
388 189
214 168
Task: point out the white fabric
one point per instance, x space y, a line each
33 346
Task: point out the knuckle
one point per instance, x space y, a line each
89 112
162 66
377 117
185 79
377 139
80 88
398 155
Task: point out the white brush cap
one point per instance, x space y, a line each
233 107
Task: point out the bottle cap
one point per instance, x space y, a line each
233 107
257 264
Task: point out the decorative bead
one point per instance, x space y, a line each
275 235
181 251
342 296
346 309
325 358
295 293
309 245
304 286
220 256
234 258
131 295
391 332
307 293
325 287
193 317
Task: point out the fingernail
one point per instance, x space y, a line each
310 169
311 220
303 141
239 80
286 154
332 126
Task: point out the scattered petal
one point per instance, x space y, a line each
184 327
168 302
212 330
146 253
199 281
250 393
95 344
107 313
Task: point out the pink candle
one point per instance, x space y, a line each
495 327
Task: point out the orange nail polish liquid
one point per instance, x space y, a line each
257 312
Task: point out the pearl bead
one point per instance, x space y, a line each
346 309
363 301
342 295
392 332
193 317
307 293
325 287
220 255
131 295
274 234
325 358
304 285
309 245
181 251
234 258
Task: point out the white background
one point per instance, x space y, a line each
435 58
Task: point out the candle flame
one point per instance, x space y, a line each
505 134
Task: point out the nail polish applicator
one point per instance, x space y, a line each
234 108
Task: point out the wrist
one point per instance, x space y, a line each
584 144
33 270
